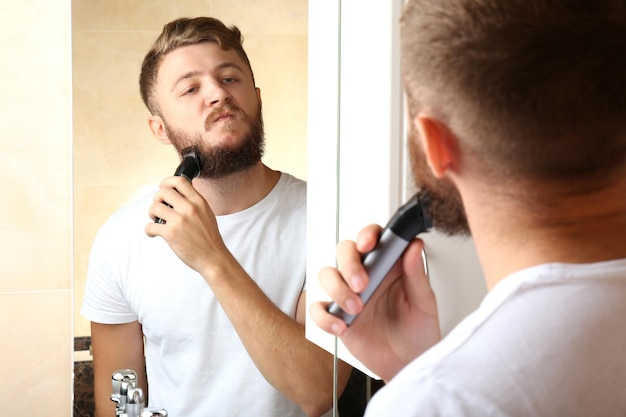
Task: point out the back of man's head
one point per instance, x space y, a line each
533 89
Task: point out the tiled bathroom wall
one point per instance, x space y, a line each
115 155
35 208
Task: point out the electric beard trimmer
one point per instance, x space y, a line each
189 168
407 222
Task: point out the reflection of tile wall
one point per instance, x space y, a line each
35 184
115 154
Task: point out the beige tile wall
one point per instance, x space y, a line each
115 155
35 208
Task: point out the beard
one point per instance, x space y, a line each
446 207
219 161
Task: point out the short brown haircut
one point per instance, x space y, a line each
184 32
533 89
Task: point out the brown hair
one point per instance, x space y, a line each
183 32
532 88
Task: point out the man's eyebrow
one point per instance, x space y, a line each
185 76
190 74
225 65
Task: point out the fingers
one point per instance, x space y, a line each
413 263
350 254
417 283
368 237
344 283
173 192
332 281
325 320
350 265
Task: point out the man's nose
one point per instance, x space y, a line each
216 95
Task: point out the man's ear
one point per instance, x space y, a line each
439 144
157 127
258 95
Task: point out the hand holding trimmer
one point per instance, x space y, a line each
408 221
189 168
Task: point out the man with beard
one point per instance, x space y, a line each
217 290
518 123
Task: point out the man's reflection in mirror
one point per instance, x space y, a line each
213 297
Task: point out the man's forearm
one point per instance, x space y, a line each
276 342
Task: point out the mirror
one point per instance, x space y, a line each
115 155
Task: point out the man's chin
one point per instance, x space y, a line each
223 133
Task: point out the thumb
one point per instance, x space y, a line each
417 283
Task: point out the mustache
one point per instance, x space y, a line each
219 111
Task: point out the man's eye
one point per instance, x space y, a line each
229 80
190 90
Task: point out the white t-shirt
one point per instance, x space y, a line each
196 363
546 341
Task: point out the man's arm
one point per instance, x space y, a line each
115 346
298 368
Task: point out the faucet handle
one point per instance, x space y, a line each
122 380
135 402
153 412
123 375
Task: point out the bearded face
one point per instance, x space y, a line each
220 160
446 207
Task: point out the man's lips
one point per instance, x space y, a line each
223 116
226 113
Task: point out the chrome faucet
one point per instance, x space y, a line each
135 402
128 398
122 380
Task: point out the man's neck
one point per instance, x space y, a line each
238 191
512 234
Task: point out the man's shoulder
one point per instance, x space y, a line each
291 189
134 212
291 181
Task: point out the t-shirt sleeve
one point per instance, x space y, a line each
104 300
